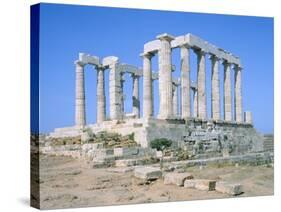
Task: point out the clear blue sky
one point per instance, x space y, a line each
66 30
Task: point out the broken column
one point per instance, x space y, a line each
136 100
201 84
147 86
100 95
215 88
165 76
80 113
238 94
227 91
185 81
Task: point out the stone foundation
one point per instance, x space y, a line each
197 135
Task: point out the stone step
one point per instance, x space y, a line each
176 178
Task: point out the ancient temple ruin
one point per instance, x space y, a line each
181 126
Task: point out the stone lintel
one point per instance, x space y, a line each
126 68
194 42
110 60
88 59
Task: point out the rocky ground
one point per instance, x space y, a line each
67 182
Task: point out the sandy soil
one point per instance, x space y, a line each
67 182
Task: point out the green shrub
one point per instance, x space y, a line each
160 144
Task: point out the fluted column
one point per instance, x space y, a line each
238 94
227 92
201 84
80 113
122 95
100 95
165 77
114 92
147 86
175 100
195 105
136 100
215 88
185 81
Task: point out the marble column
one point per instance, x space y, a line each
80 113
175 100
195 105
147 86
136 100
122 95
201 84
215 88
165 77
100 95
185 81
238 94
115 98
227 92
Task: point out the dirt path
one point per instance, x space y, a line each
66 182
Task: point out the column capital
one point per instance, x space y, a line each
201 52
214 57
238 67
148 55
165 36
226 63
185 45
79 62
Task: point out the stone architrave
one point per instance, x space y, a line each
80 113
227 92
136 100
185 81
147 86
100 95
165 77
215 88
201 84
238 94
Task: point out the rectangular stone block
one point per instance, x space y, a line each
176 178
148 173
201 184
227 188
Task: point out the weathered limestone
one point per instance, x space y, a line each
147 173
185 81
238 94
215 88
200 184
165 77
227 188
201 84
80 113
176 178
227 92
136 99
100 95
147 86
